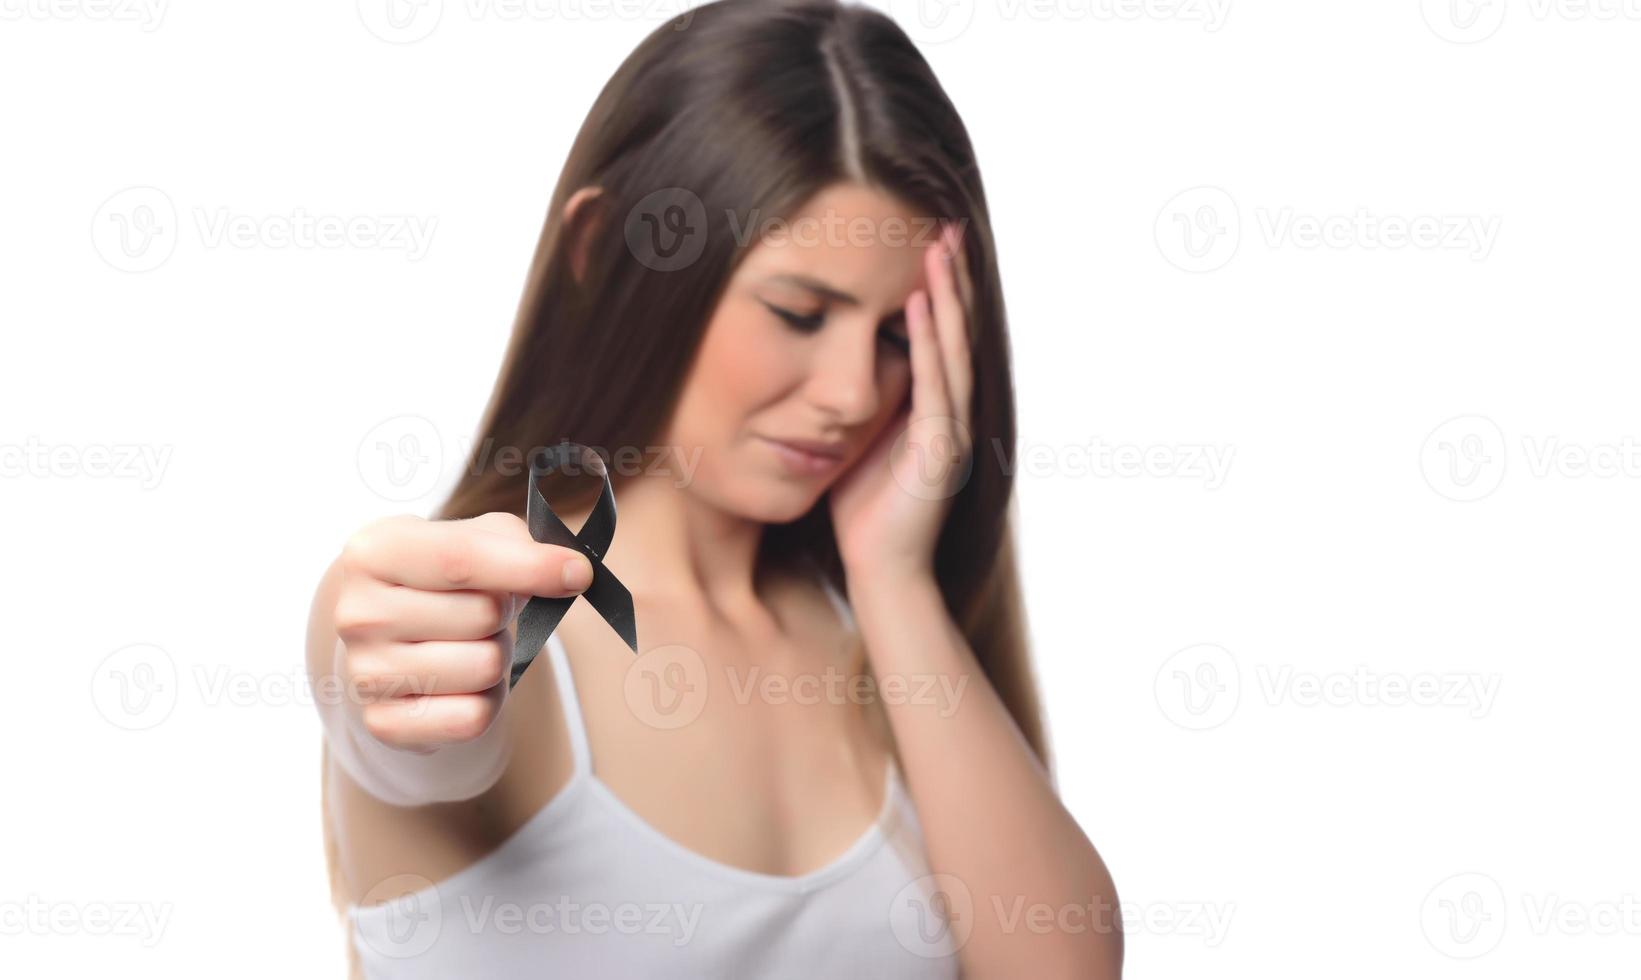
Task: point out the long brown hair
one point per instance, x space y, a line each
737 112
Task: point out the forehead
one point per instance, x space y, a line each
860 240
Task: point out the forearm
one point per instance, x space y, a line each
1043 903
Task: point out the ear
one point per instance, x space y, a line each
582 216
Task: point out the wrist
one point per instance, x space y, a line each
907 628
889 587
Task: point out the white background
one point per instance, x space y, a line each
1422 479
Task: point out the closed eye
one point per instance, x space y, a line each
897 339
808 323
811 322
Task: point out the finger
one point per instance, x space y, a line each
512 524
449 555
499 522
389 671
929 395
420 722
949 318
379 611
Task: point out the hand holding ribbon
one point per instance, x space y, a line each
541 615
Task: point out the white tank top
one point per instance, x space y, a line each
587 888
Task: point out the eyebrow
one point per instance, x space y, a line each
816 286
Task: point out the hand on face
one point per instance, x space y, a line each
888 508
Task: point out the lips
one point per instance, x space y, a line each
807 457
831 450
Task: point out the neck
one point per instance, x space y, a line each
672 543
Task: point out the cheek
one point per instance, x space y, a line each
742 366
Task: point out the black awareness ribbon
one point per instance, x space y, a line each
606 594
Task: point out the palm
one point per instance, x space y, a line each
890 505
888 508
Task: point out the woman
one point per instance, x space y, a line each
766 293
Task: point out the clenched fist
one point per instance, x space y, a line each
422 615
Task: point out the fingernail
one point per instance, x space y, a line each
578 574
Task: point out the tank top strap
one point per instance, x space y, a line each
839 603
571 706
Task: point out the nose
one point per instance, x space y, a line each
843 376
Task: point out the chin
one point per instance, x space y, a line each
772 500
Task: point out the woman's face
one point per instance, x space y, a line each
808 346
